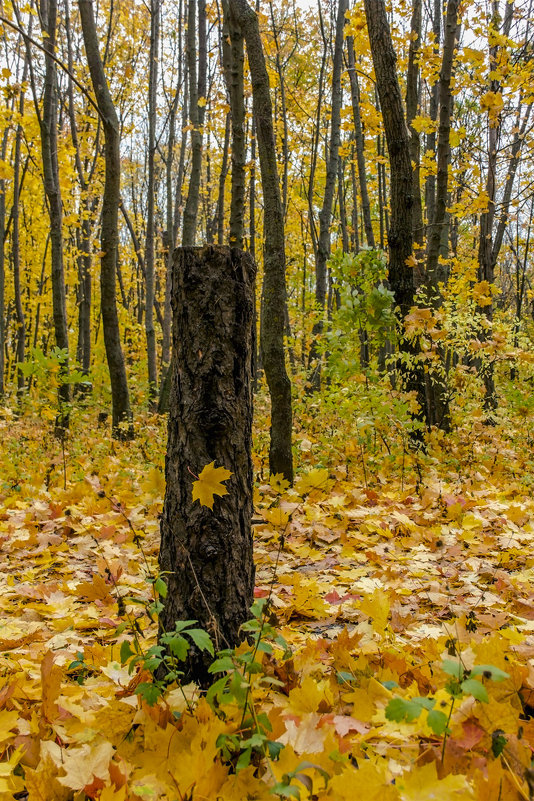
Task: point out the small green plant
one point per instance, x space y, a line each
462 682
242 670
164 658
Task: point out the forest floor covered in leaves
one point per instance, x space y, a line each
393 567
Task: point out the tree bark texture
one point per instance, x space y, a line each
48 124
435 272
151 203
400 232
122 427
412 104
234 57
207 554
197 91
274 261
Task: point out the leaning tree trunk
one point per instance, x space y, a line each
206 554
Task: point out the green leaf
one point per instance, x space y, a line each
401 709
489 672
180 625
274 749
453 668
437 721
476 689
286 790
498 742
149 692
201 639
178 647
160 587
221 665
244 760
126 652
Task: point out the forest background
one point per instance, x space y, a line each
403 545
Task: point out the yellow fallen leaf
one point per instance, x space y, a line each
209 484
377 607
276 517
422 784
315 479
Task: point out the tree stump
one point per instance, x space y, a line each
206 554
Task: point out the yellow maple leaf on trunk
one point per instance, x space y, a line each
209 484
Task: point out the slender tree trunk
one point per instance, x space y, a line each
3 151
151 200
323 246
122 427
20 351
487 255
440 220
88 207
430 185
412 104
48 124
233 52
400 233
274 282
205 554
197 91
217 224
359 140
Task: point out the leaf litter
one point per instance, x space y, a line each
376 588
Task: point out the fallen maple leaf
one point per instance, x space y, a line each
209 484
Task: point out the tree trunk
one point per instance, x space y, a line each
412 104
151 202
3 150
400 233
197 92
323 246
359 140
122 427
48 124
233 50
434 271
206 555
274 283
15 248
487 253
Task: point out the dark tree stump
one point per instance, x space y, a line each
207 554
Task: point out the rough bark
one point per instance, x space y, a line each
206 555
274 294
151 202
400 233
48 125
122 427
